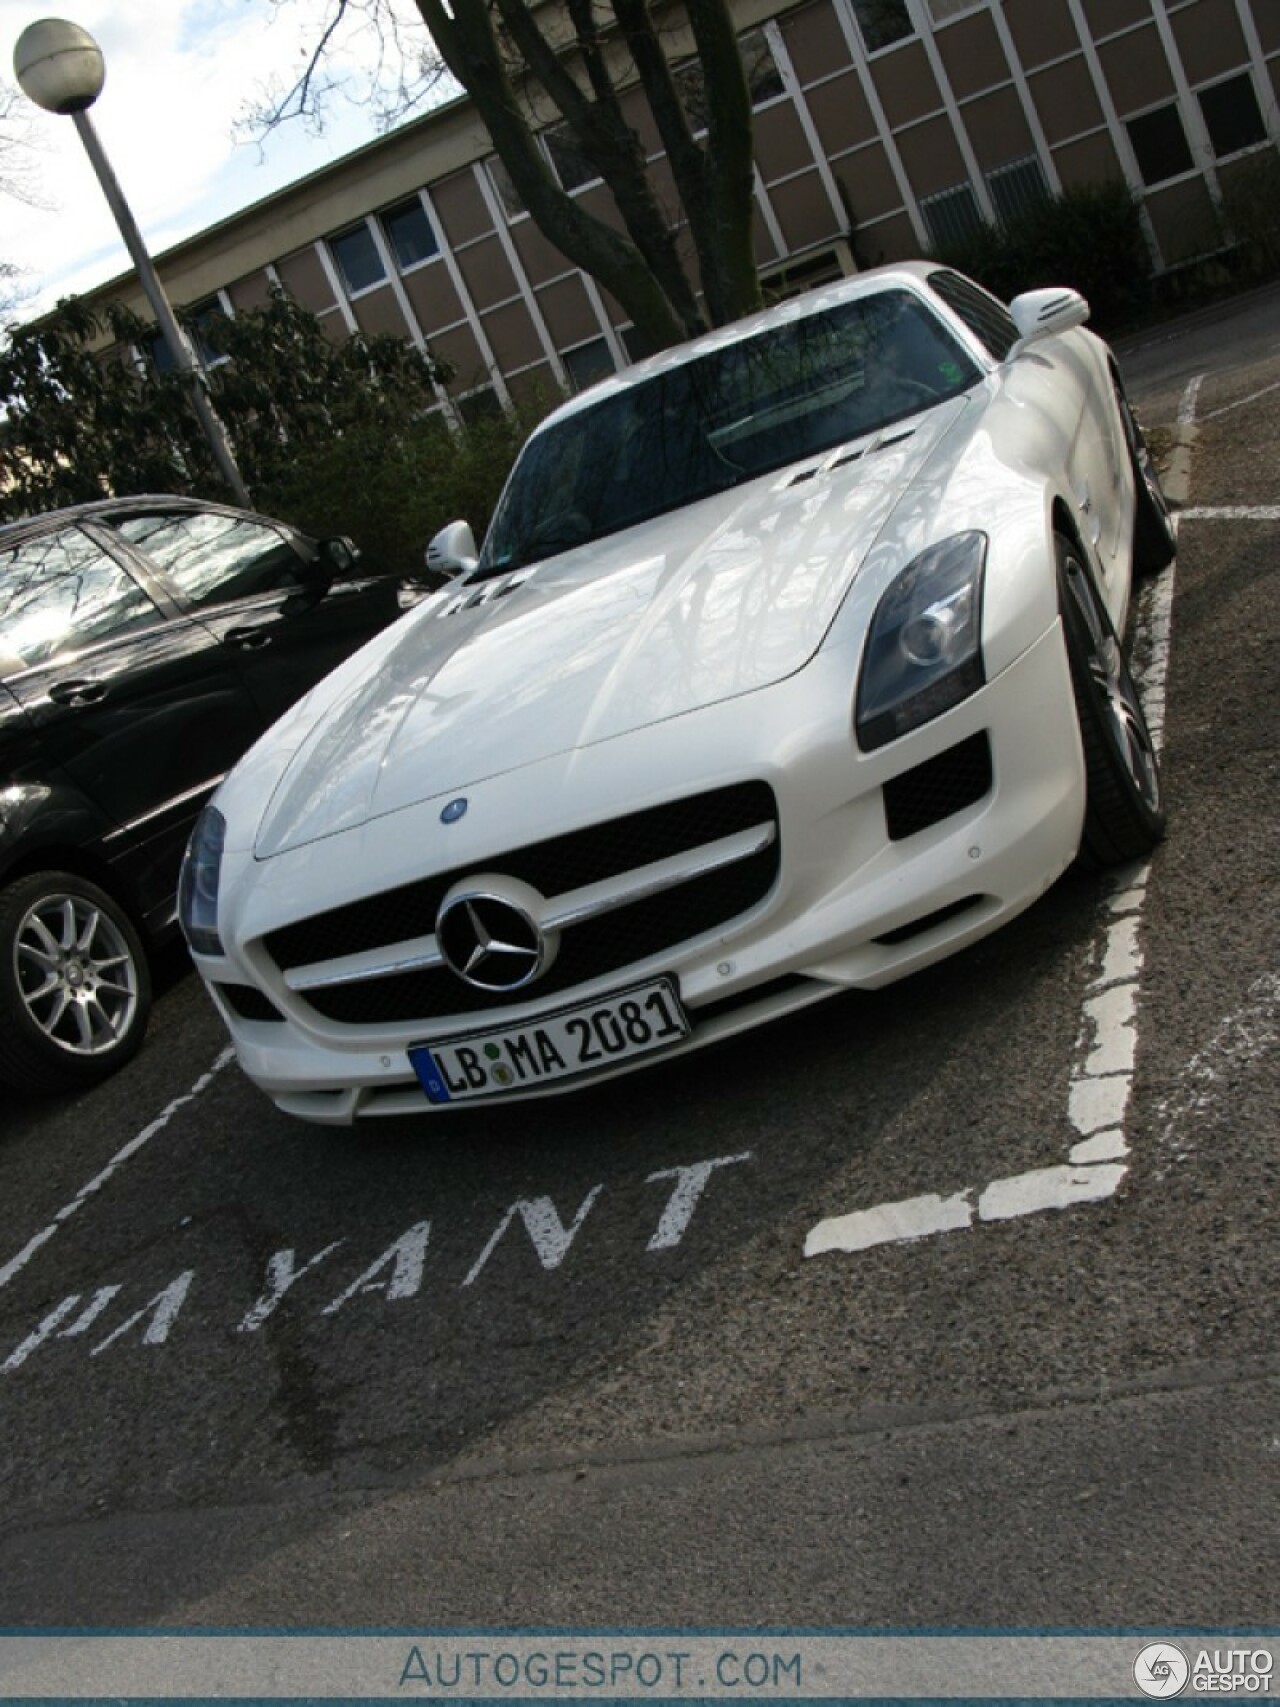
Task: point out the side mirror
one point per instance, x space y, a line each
339 555
453 550
1044 313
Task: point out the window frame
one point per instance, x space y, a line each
911 33
1245 77
1159 109
409 204
359 228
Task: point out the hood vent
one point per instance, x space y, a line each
488 593
851 453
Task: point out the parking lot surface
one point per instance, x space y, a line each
948 1305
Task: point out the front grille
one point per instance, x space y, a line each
939 787
553 867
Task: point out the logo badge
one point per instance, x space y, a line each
1161 1670
454 810
491 941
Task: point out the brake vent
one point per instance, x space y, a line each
929 922
940 787
249 1002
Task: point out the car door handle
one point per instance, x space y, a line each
82 691
249 639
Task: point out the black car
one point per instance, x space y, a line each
145 643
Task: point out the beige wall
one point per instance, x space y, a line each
856 139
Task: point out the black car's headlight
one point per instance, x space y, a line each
924 648
198 884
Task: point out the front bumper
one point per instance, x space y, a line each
853 906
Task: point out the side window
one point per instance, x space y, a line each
213 559
764 80
61 593
986 318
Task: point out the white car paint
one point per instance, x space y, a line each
716 643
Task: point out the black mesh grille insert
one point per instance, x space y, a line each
249 1003
553 867
940 786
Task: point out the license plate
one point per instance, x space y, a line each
576 1041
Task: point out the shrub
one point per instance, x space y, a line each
1251 203
338 438
391 492
1089 238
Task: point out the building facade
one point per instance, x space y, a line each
882 126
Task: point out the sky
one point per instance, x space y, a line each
179 74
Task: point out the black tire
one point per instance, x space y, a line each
1154 541
1124 806
75 988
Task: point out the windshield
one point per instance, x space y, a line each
790 392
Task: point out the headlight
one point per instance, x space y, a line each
198 884
924 649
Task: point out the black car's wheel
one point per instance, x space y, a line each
1124 811
75 989
1154 540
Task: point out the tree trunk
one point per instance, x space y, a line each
470 48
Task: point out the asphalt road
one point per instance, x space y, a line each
570 1364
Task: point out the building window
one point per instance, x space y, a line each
636 343
952 216
1232 116
882 22
358 259
200 325
1160 144
764 80
479 406
512 204
410 234
588 363
1016 187
943 9
568 162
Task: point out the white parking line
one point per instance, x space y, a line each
1241 401
1231 513
1098 1097
17 1263
1190 397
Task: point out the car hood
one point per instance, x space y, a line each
724 597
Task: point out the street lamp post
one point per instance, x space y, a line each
60 67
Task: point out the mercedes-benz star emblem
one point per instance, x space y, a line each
490 941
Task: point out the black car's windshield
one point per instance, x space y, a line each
792 391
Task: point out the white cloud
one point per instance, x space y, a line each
179 73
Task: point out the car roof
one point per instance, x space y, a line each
11 533
897 275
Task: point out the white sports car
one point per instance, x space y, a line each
789 665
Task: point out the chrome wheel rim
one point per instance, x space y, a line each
1114 689
75 974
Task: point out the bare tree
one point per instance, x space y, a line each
17 180
565 65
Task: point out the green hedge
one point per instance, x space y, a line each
1089 238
